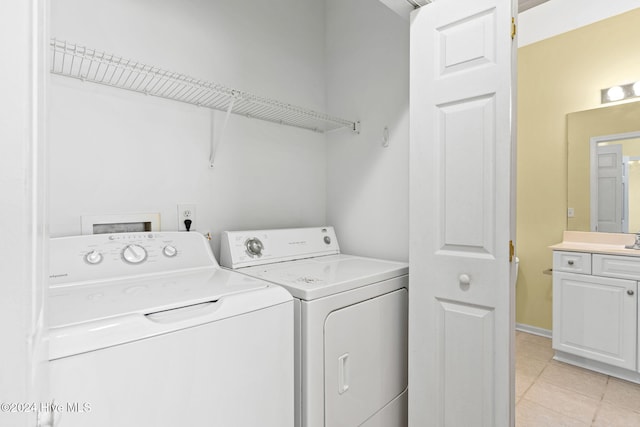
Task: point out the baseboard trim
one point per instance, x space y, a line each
533 330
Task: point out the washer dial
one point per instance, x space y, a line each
170 251
93 257
134 254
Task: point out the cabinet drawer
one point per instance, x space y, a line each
572 262
622 267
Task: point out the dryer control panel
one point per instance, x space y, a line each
256 247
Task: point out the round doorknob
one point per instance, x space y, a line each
464 279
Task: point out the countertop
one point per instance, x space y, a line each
596 242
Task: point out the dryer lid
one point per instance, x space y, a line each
318 277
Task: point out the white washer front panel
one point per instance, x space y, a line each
237 372
313 278
365 361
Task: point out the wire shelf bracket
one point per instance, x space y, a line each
86 64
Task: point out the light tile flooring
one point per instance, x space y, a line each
554 394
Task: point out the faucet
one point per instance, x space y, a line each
636 244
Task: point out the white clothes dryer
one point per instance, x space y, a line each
350 323
147 330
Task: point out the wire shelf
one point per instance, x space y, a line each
88 64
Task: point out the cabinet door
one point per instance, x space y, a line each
595 317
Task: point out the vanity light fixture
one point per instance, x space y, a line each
618 93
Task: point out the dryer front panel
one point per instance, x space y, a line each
365 359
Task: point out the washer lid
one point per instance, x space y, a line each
313 278
96 315
70 305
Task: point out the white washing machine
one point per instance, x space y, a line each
146 330
351 323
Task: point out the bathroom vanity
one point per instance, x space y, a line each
595 303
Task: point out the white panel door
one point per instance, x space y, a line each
608 193
461 306
595 317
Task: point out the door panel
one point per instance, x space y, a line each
463 45
366 361
462 216
461 378
466 137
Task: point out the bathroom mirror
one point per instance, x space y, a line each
603 179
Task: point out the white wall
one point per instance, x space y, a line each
368 80
559 16
118 152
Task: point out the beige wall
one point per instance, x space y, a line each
558 76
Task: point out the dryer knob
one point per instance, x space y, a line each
254 247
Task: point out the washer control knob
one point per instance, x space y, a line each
327 240
170 251
254 247
134 254
93 257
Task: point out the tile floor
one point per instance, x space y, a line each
554 394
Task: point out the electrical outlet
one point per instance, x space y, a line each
186 211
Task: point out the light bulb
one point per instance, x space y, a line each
615 93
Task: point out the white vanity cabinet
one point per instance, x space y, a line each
595 311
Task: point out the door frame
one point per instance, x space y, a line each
23 222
